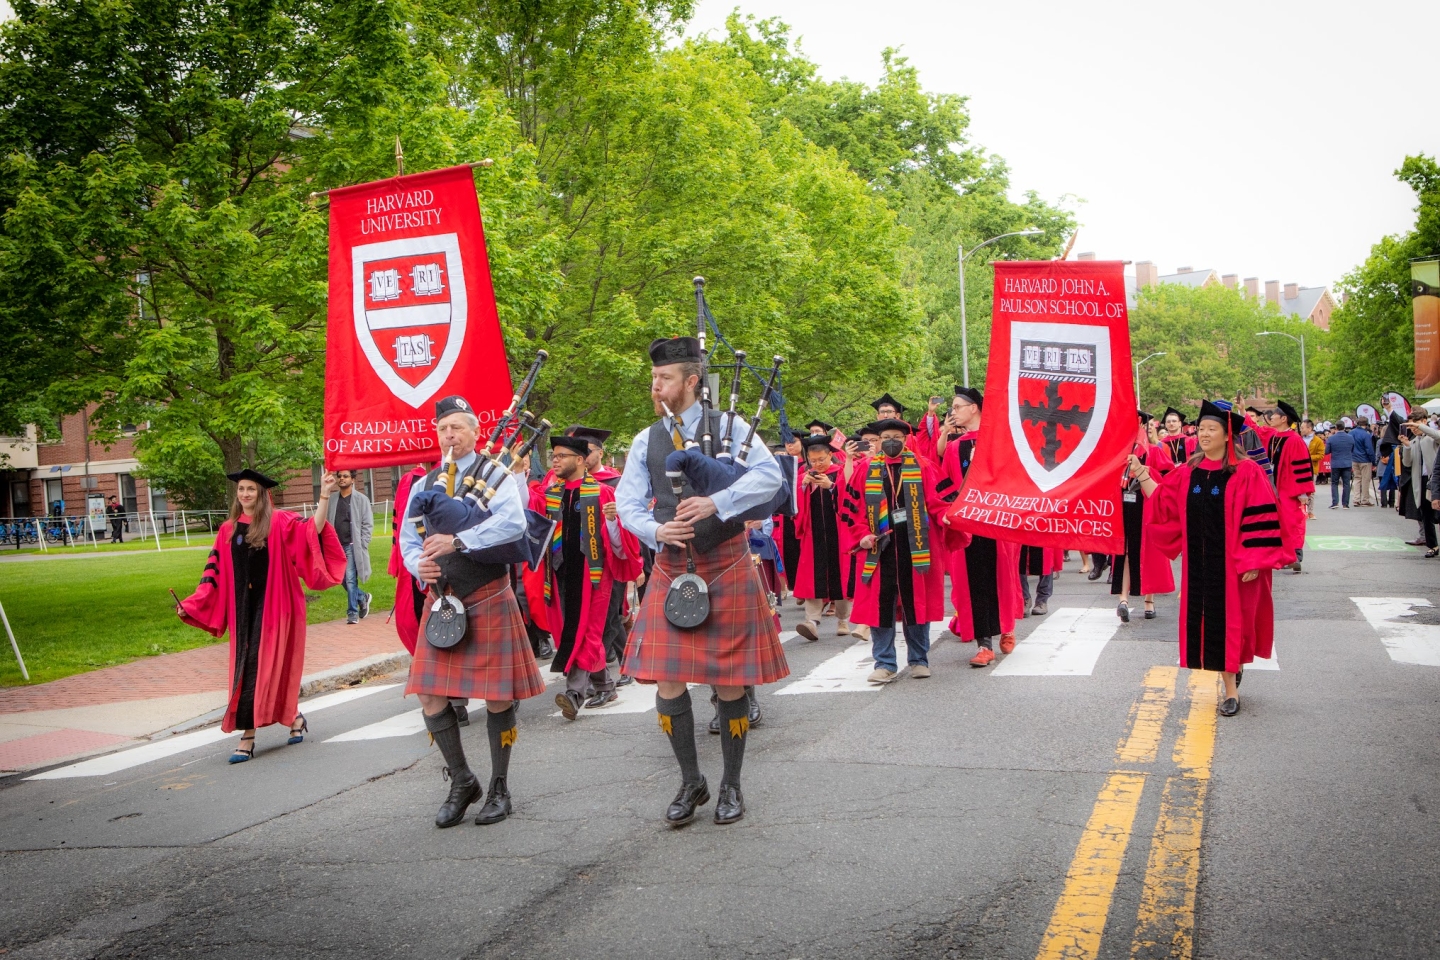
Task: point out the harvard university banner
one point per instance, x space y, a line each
411 319
1059 419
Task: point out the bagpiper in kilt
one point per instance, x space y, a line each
737 645
494 660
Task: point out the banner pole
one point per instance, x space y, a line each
13 645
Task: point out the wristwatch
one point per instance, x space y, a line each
458 544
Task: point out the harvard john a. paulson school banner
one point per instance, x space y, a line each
411 318
1059 418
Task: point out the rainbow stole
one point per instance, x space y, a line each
877 513
589 506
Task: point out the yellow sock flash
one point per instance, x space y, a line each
665 723
738 728
508 737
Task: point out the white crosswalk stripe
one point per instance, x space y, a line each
1067 644
1417 643
160 749
401 725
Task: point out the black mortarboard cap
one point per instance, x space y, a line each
577 444
867 431
819 423
1212 411
886 398
247 474
593 434
882 425
452 404
1146 417
971 394
815 440
1170 410
674 350
1289 411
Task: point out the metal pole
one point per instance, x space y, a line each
155 529
184 526
13 645
1304 382
964 334
1138 403
41 532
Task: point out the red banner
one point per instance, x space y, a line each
412 318
1059 419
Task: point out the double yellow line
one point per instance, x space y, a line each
1165 924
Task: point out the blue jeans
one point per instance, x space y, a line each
1044 590
1338 476
353 593
917 643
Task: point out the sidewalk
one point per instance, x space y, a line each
104 709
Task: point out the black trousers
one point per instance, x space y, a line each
1427 518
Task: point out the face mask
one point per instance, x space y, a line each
892 448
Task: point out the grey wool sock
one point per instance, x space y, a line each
734 727
445 730
503 733
678 722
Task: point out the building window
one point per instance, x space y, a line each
127 493
54 497
158 503
19 499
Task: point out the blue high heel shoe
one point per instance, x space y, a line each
242 754
298 736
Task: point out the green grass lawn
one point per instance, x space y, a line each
71 616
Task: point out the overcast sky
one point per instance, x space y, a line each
1257 138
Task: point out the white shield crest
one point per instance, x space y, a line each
410 311
1059 397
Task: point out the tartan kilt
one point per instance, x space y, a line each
493 663
738 644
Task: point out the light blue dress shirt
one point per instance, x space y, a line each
757 486
506 521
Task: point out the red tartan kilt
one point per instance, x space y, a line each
737 646
493 663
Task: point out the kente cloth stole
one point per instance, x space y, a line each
877 513
588 504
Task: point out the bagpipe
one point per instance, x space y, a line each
513 438
708 471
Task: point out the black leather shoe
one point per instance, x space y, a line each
547 650
601 698
1096 572
462 794
625 680
497 804
1230 707
731 804
569 703
691 797
755 715
715 724
462 714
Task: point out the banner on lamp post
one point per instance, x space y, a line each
1059 418
411 318
1425 296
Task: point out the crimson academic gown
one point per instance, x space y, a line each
927 589
587 652
823 570
407 616
1294 478
1223 525
1178 447
984 573
296 553
1156 575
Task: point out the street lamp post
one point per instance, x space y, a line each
1304 382
1137 376
962 256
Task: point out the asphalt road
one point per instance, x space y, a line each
971 815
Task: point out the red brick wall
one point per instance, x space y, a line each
71 446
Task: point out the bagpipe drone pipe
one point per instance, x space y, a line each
436 512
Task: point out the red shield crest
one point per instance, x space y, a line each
1062 377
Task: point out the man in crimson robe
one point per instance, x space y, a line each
588 554
823 571
615 634
891 530
984 573
888 408
1294 477
789 539
1221 517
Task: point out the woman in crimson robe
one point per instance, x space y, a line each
1217 511
251 588
1142 569
1293 478
822 575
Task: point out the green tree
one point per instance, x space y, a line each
1373 331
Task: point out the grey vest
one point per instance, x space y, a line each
463 574
710 532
